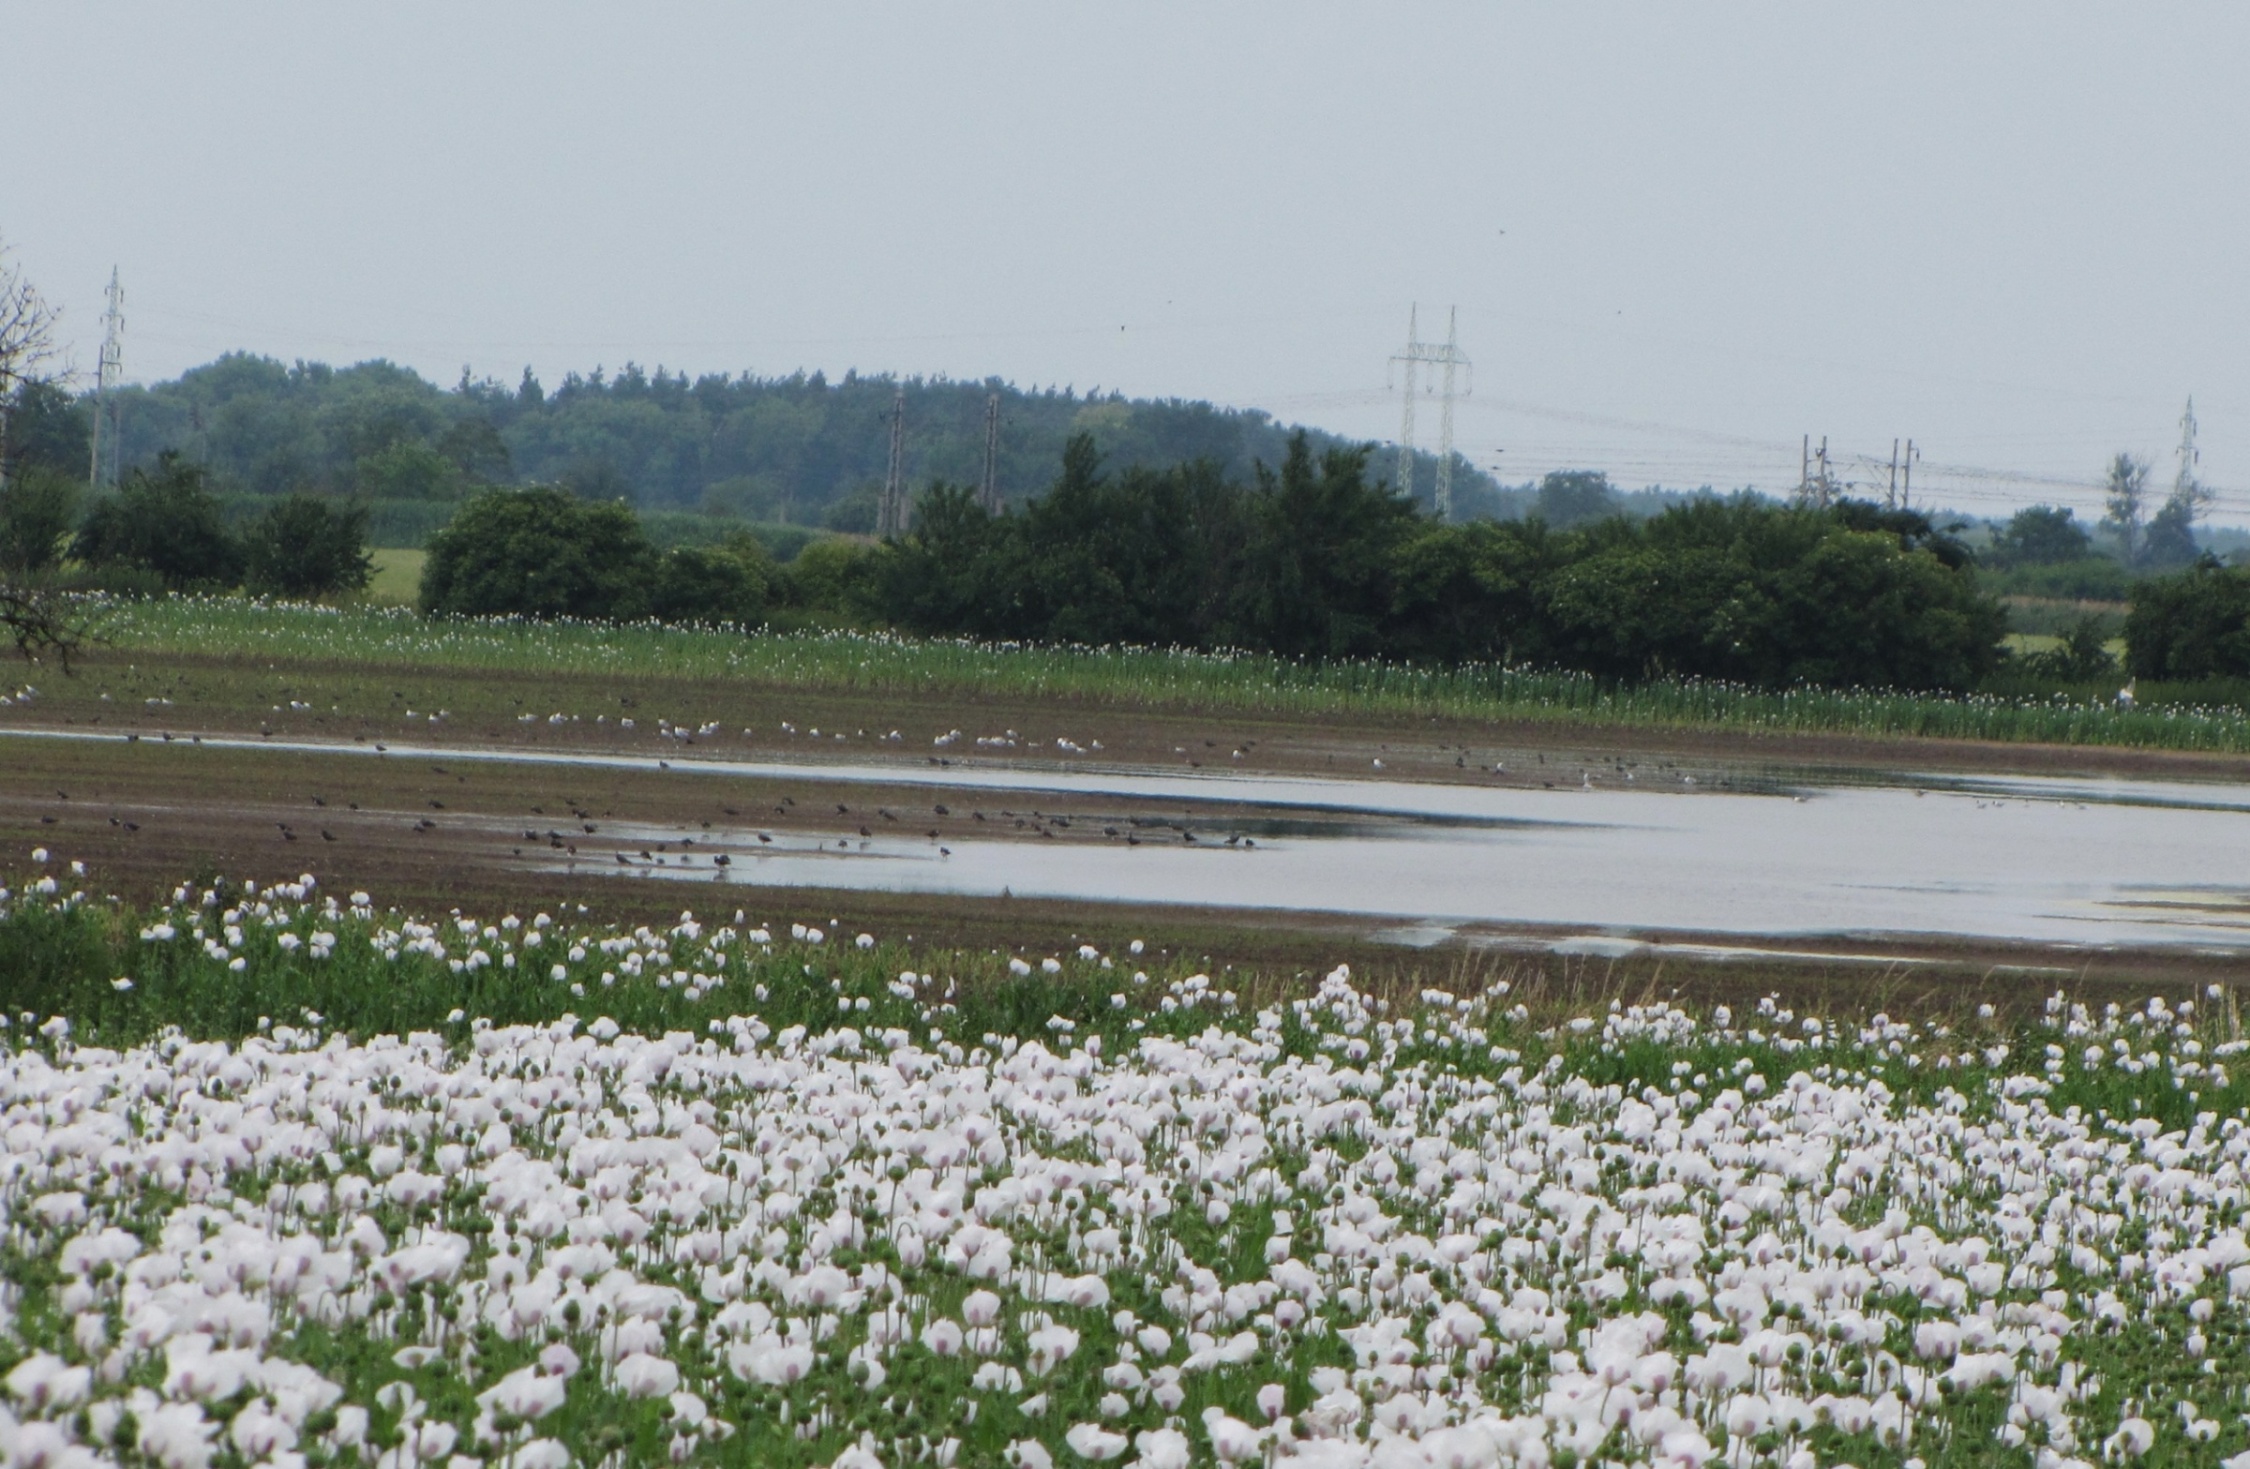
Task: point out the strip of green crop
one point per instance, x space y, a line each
1140 677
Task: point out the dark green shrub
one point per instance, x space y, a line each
539 553
715 584
2192 625
304 546
37 508
2081 657
163 520
2041 535
829 577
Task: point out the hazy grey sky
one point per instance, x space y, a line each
1679 236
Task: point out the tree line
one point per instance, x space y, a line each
1314 559
1309 559
801 449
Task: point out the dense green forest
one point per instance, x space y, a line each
800 450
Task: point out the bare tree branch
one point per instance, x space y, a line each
42 622
27 341
45 623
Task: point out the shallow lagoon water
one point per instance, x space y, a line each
1875 862
2046 861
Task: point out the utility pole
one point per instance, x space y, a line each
1447 358
890 517
1906 477
989 495
1890 497
106 382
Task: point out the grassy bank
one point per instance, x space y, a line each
389 639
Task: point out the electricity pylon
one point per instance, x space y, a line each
1446 358
106 382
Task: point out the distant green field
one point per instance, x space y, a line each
398 576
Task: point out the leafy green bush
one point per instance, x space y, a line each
37 508
713 584
539 553
304 546
1770 596
829 577
165 521
2081 657
2041 535
2193 625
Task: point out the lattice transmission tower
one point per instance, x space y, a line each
1447 359
2187 490
108 412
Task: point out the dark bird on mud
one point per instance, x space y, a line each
723 860
942 811
843 810
945 851
621 860
326 835
863 831
764 839
317 801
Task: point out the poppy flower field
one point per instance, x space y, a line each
289 1178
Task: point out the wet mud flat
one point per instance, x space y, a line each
115 690
2034 878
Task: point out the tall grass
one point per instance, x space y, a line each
376 637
